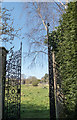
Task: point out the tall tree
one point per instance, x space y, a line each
40 13
66 57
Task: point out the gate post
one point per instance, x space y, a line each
3 54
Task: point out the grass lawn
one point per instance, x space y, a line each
34 101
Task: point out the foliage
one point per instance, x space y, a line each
66 56
53 37
8 32
45 78
31 80
39 80
35 83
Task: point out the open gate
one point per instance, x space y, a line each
12 86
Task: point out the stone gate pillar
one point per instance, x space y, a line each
3 54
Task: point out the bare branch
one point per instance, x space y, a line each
40 14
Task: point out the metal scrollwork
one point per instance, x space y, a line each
12 87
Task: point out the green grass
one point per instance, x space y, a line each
34 102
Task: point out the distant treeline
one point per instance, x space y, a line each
33 80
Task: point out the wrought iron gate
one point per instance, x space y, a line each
12 87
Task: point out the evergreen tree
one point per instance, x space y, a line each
64 43
66 57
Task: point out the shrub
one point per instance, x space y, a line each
35 83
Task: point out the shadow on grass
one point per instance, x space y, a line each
30 111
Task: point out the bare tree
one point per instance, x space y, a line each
38 14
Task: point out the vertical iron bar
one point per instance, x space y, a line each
51 79
20 75
3 90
